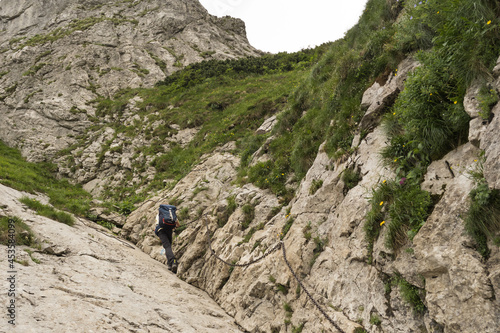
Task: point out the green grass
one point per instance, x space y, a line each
410 294
351 178
248 215
21 175
223 217
286 227
22 232
482 221
74 25
48 211
223 108
401 207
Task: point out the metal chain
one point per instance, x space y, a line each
274 248
308 293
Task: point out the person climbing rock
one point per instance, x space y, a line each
166 222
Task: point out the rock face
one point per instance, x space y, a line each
83 279
326 245
300 266
58 56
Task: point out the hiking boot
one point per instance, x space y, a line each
174 268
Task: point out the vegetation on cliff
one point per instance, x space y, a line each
316 94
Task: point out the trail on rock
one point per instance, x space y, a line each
87 280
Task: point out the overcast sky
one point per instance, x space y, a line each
290 25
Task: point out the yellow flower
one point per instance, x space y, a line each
384 181
488 22
381 203
475 160
430 94
396 160
438 12
455 102
382 223
394 114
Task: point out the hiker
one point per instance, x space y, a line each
166 222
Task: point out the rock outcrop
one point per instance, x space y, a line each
59 56
84 279
326 244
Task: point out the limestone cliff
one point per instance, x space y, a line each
459 288
58 56
84 279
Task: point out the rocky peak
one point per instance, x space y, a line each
59 56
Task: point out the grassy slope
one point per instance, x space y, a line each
455 40
17 173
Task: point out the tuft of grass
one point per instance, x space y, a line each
248 216
482 221
410 294
288 308
286 227
223 217
351 178
315 186
48 211
375 319
487 98
282 288
307 231
298 329
401 207
22 232
320 247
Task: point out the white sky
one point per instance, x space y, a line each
290 25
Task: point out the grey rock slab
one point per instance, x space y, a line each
100 283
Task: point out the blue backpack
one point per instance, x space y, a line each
167 215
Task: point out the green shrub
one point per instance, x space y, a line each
268 64
106 224
464 47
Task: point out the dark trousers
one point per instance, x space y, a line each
165 235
